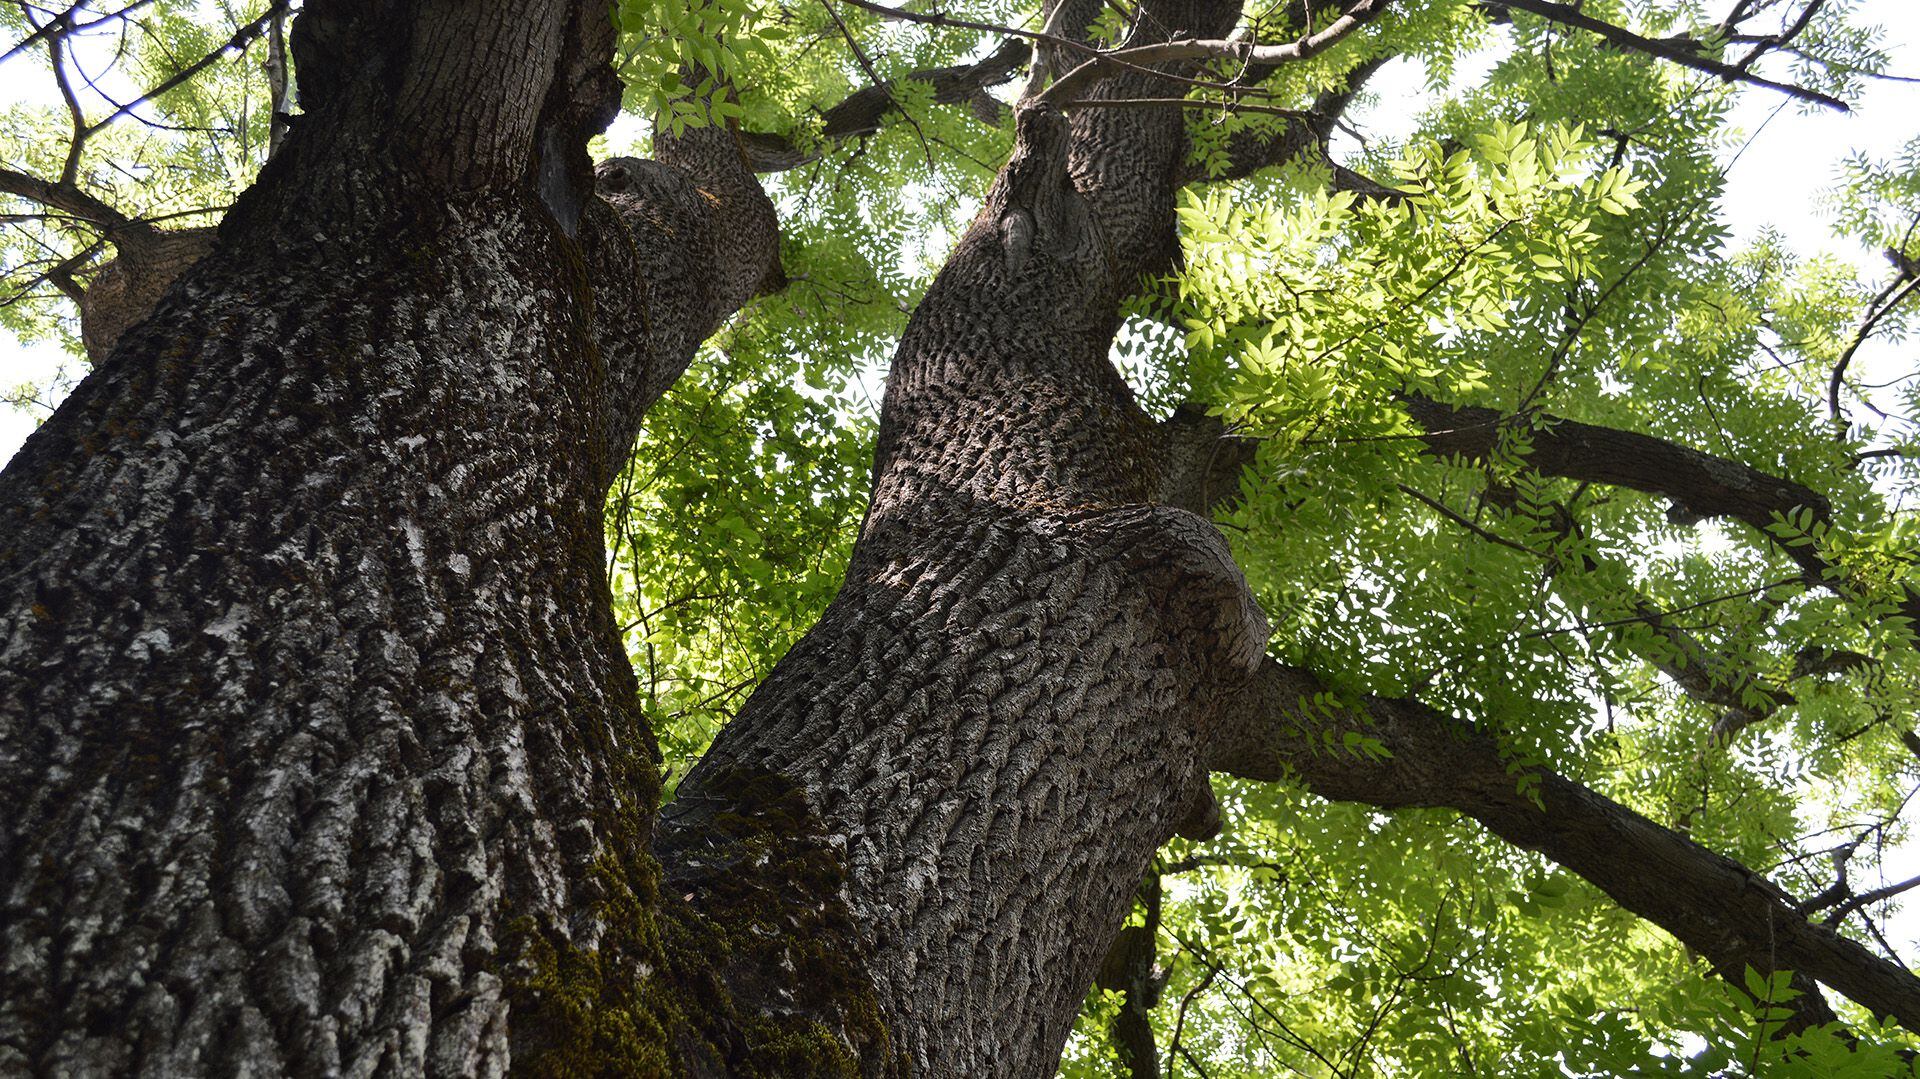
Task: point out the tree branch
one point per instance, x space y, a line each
1700 485
861 112
1700 674
1284 723
241 38
63 24
1073 86
1896 291
1250 151
1683 53
69 198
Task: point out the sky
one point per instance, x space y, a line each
1776 181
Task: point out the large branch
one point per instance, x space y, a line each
1699 484
123 289
1285 724
68 198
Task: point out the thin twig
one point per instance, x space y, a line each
63 25
1074 83
1571 15
1877 310
885 86
240 39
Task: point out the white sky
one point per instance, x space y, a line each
1776 182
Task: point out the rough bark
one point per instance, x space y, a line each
1002 713
325 750
126 289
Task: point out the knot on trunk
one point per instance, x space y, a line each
1198 587
126 289
1035 207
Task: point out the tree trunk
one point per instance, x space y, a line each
1003 713
324 748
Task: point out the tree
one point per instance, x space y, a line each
317 700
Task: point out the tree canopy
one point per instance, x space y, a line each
1499 416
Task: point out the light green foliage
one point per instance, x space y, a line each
677 52
1546 265
1555 250
176 159
730 528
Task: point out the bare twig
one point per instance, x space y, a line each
1884 303
1677 52
1073 85
63 24
240 39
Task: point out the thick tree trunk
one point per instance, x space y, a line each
323 749
1003 712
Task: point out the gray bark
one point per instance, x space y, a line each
324 750
1004 711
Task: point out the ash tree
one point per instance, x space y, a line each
956 540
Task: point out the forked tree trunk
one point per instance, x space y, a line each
327 751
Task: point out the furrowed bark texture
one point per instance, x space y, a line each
322 748
1002 714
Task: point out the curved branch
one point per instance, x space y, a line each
1699 484
861 112
1896 291
1684 53
1285 723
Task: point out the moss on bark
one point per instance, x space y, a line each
739 958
